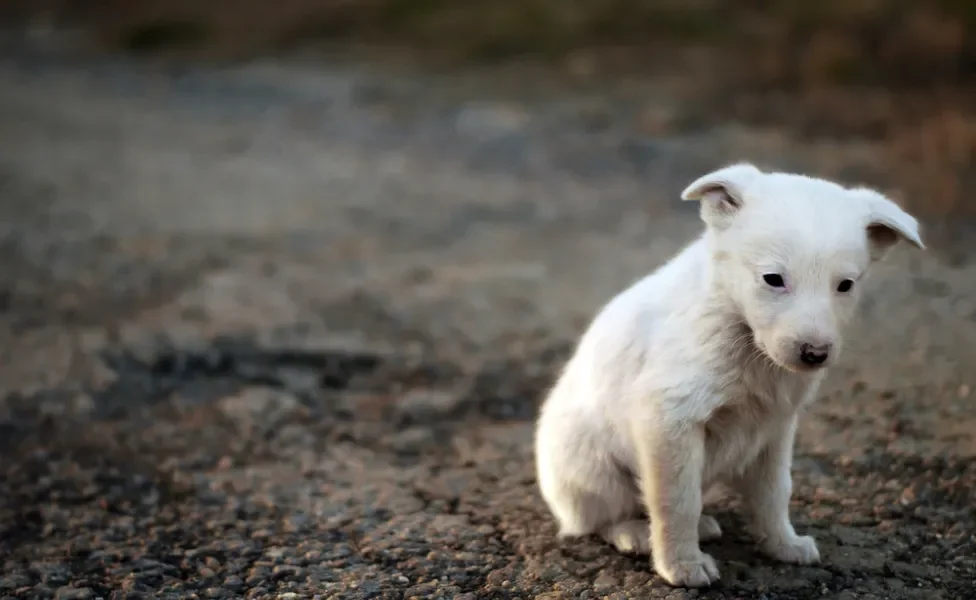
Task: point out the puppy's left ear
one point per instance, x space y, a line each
887 223
721 192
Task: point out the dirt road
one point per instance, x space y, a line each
280 332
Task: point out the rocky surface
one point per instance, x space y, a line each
280 332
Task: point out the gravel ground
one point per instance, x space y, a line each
276 332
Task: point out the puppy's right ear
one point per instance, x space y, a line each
721 192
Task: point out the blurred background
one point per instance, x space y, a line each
282 284
893 73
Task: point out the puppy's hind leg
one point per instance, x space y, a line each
610 512
632 536
708 528
577 511
597 505
584 511
579 479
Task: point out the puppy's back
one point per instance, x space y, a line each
632 316
622 336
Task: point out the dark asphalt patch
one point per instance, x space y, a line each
222 368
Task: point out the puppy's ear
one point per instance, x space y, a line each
887 223
721 192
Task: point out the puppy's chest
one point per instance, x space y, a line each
744 424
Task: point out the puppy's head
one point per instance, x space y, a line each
790 251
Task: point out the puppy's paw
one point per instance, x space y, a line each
800 550
629 537
708 529
698 572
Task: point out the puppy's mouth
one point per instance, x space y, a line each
791 366
802 368
760 347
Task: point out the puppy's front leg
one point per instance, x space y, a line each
766 488
672 460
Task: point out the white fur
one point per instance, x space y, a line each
692 377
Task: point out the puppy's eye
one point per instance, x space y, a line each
774 280
845 286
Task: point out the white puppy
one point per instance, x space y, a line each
695 375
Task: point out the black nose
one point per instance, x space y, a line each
814 355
